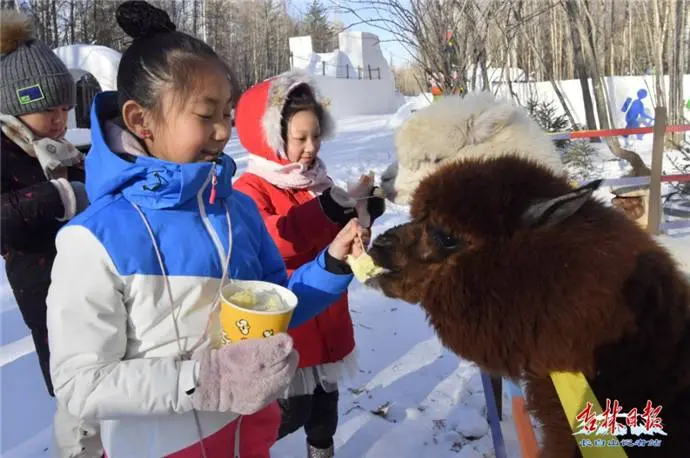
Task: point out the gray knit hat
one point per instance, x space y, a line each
32 77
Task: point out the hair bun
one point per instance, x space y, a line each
140 19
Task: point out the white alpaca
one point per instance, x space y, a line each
459 127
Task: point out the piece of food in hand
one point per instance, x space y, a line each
364 267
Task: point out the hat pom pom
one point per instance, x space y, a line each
15 28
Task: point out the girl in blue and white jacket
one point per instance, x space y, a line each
137 276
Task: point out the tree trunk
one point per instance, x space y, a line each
54 18
195 17
556 89
658 50
576 15
573 10
72 23
581 72
678 19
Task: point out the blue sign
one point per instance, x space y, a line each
634 112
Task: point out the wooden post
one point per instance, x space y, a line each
654 219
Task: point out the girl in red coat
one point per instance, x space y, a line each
281 122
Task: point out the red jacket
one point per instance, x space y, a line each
293 217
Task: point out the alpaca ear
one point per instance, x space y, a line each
547 213
489 123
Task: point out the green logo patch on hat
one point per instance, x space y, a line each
30 94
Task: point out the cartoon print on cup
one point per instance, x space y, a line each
268 333
243 326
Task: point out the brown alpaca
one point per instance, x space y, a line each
523 275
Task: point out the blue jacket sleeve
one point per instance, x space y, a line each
314 286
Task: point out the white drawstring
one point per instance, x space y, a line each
219 293
166 280
185 355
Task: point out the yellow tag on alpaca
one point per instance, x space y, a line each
364 267
575 393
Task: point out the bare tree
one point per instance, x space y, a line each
656 33
422 28
676 56
577 14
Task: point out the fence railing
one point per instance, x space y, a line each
343 71
655 225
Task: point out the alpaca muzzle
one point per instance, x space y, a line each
384 247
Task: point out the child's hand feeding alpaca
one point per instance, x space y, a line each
363 266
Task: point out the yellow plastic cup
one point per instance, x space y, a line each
240 323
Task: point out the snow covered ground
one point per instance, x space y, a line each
411 397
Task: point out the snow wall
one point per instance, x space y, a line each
618 89
99 61
343 75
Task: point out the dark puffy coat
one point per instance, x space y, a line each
30 207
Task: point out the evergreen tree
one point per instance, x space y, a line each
317 25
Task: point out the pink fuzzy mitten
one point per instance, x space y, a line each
246 376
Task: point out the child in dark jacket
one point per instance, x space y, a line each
42 188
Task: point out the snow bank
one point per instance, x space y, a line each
411 105
100 61
351 97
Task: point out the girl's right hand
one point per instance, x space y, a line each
343 243
246 376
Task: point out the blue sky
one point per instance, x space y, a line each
389 45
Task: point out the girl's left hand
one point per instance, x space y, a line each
343 243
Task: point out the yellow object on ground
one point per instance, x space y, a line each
574 392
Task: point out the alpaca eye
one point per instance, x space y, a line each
443 240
